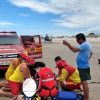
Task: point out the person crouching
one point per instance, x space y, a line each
68 75
48 83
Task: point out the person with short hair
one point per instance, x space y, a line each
68 75
83 57
48 82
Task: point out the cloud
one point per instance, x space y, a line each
24 15
33 5
94 30
5 24
78 20
71 13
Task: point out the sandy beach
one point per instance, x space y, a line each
51 50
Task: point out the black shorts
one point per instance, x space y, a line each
84 74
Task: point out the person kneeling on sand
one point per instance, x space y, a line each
21 73
68 76
4 87
48 86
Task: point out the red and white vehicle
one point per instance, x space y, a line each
11 45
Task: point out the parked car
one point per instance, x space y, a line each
11 45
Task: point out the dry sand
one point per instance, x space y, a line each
51 50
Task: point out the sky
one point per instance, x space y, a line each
53 17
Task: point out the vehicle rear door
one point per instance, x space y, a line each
32 45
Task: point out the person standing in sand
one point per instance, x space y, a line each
85 53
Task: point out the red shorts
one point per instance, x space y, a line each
15 87
74 86
71 85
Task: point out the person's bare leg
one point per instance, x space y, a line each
85 90
4 83
3 93
19 97
6 89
